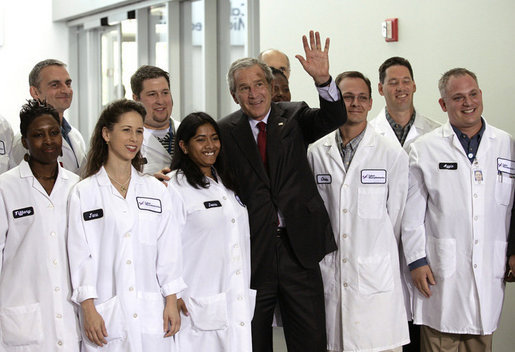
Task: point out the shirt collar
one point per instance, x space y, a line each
394 124
254 122
462 135
65 127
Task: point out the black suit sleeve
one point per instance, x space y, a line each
316 123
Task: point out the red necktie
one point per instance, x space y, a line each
261 140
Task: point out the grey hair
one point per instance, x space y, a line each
246 63
442 83
34 79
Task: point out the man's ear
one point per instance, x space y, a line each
234 98
380 88
442 104
34 93
135 97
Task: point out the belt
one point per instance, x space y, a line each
280 232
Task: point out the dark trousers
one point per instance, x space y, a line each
300 295
414 335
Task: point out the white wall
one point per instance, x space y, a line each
29 37
433 35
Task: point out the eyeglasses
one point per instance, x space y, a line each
362 99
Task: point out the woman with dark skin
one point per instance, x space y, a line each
215 239
36 313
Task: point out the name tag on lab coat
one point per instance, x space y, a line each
324 179
448 166
93 214
212 204
20 213
149 204
373 176
506 166
2 148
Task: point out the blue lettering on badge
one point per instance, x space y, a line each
212 204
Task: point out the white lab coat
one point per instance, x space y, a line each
362 280
216 246
421 125
6 142
157 156
125 253
461 226
72 160
36 313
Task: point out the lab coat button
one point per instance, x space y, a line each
345 211
344 260
54 261
224 197
60 343
57 289
233 221
135 315
129 262
50 205
475 195
345 186
52 234
476 241
476 217
345 284
344 235
59 316
475 266
242 324
238 272
131 288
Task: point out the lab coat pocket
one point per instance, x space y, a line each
504 190
252 302
375 274
149 228
111 312
328 271
499 259
208 313
441 255
152 306
371 201
21 325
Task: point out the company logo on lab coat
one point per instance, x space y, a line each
212 204
20 213
373 176
448 166
505 165
324 179
149 204
93 214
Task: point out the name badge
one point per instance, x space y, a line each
212 204
21 213
505 165
324 179
93 214
448 166
373 176
149 204
2 148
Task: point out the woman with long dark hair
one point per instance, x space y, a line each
218 303
36 313
125 252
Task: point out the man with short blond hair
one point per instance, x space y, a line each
455 226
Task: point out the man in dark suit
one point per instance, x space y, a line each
290 228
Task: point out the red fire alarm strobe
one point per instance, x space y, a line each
390 29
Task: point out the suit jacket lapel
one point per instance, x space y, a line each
245 140
274 134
